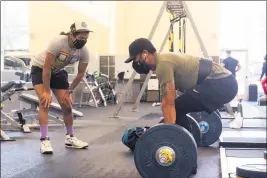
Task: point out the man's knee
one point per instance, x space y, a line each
43 109
67 109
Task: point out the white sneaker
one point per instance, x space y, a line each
158 104
237 123
73 142
46 147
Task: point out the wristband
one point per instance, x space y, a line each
70 91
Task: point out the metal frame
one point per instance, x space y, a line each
5 137
240 144
224 165
138 99
129 84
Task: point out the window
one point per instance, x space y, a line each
15 36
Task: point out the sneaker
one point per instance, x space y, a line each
237 123
46 147
73 142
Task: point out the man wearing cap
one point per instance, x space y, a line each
48 75
206 85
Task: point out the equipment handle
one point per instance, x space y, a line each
23 89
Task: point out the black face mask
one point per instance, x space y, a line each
141 67
78 44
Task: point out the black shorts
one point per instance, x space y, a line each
208 96
57 81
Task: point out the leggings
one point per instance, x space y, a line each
263 84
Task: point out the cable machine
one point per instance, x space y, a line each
182 10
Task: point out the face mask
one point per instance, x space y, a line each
78 44
141 67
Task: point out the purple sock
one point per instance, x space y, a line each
44 130
69 130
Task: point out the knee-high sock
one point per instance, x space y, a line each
69 128
43 130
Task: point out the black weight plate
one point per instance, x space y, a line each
210 127
173 136
265 155
252 170
218 113
195 129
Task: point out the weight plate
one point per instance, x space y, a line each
166 141
210 127
251 170
218 113
195 129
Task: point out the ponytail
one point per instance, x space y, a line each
64 33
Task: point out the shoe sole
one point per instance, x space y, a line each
70 146
47 152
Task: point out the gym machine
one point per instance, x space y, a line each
25 70
181 9
7 91
100 90
91 88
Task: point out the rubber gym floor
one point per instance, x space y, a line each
106 156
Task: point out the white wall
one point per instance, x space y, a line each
2 34
15 24
136 18
243 25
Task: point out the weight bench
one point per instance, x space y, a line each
54 107
7 90
34 102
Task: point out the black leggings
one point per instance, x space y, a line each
208 96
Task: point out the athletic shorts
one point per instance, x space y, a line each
57 81
208 96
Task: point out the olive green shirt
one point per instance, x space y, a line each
183 70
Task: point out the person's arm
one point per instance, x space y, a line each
238 67
83 63
49 62
52 51
81 71
262 70
223 63
165 76
168 102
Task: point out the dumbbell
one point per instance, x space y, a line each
166 150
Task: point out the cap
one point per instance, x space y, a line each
79 26
139 45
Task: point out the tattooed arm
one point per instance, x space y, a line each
165 75
168 102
